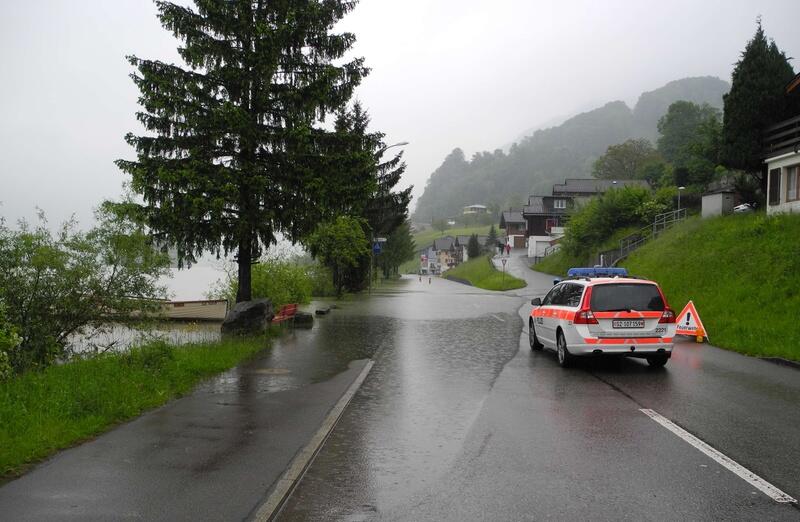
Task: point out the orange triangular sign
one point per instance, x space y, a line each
689 323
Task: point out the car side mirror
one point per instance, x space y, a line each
556 281
536 301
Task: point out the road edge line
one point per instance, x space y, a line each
291 477
723 460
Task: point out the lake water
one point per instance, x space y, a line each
118 338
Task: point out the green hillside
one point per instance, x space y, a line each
743 274
481 273
534 164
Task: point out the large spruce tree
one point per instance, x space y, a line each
757 99
234 153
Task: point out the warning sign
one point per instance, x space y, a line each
689 323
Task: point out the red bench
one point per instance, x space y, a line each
285 313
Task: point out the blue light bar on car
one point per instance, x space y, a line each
598 271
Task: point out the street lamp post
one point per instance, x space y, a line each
679 196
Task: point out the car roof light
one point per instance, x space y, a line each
597 271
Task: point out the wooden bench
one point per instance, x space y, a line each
285 313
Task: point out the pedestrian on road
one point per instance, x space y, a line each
508 249
500 247
429 279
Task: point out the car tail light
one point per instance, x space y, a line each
584 316
668 316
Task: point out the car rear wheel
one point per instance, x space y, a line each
533 340
657 361
565 359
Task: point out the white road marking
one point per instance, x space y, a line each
754 480
499 319
302 460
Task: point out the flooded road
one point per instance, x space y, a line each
457 420
460 420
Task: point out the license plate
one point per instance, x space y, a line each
627 323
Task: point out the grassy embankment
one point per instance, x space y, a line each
425 239
559 262
743 274
42 412
481 273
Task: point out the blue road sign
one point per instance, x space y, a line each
376 248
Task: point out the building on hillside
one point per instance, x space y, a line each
545 217
475 209
444 249
581 190
782 156
515 227
462 244
718 203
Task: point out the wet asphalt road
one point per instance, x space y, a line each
459 420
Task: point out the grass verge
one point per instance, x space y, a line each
743 274
559 262
425 239
42 412
481 273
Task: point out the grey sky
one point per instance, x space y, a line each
446 73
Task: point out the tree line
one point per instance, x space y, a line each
698 144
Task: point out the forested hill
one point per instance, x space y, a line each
534 164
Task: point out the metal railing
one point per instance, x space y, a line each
631 242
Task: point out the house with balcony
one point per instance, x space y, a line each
545 217
782 156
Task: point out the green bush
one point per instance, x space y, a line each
57 284
592 224
282 280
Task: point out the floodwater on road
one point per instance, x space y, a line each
442 345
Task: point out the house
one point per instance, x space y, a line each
581 190
461 245
546 217
782 156
544 212
515 227
444 250
475 209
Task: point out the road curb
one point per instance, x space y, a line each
782 362
294 473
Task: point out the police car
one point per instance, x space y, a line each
603 311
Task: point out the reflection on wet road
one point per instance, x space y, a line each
459 420
409 420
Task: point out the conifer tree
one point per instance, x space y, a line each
757 99
234 154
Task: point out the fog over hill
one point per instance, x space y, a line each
531 166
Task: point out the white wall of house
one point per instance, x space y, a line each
537 245
785 204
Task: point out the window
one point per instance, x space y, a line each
553 296
571 296
560 203
626 296
774 186
792 183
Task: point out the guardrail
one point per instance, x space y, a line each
631 242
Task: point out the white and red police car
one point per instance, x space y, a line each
602 311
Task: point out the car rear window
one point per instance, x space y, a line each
626 296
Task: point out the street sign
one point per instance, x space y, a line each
376 248
504 260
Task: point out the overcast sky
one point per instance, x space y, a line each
445 73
